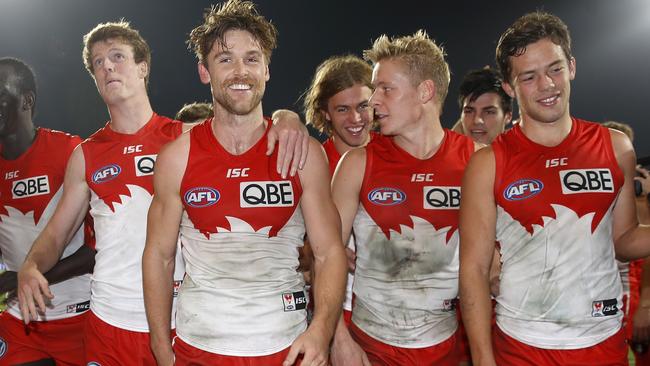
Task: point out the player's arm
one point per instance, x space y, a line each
159 255
346 186
477 235
631 239
330 269
49 245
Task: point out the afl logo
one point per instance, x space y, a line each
386 196
523 189
3 347
201 197
106 173
93 363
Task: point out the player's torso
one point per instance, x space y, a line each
240 232
407 242
554 226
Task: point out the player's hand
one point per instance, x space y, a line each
313 344
33 292
352 259
293 139
164 355
348 353
641 325
644 178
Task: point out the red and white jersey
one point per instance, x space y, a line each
560 286
406 231
30 189
241 230
119 172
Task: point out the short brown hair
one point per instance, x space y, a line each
233 14
194 112
620 126
424 59
123 32
333 76
529 29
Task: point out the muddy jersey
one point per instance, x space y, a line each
560 286
241 230
30 189
406 231
119 173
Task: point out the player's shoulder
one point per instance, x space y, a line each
59 136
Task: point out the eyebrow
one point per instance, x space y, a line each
527 72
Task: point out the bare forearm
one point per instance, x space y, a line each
45 252
634 244
79 263
157 276
477 308
329 289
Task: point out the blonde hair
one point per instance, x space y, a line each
424 59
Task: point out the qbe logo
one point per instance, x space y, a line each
386 196
106 173
522 189
30 187
144 164
441 198
293 301
604 308
586 181
266 194
201 197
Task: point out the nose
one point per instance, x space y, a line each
478 119
546 82
108 65
239 67
374 98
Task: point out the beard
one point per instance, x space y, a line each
240 106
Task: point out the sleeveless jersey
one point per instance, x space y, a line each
560 286
241 230
406 231
30 189
119 172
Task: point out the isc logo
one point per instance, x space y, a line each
265 194
441 198
294 301
201 197
29 187
586 181
522 189
106 173
386 196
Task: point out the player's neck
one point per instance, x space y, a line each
15 144
423 140
237 134
546 133
130 115
341 147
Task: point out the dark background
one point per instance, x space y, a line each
611 45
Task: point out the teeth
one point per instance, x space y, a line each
549 100
355 129
240 86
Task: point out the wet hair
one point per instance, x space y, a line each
620 126
26 78
194 112
232 15
423 58
333 76
529 29
478 82
122 32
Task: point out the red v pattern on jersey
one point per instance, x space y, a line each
219 188
115 160
535 183
398 187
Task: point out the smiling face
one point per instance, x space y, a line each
350 116
116 74
237 73
540 80
483 119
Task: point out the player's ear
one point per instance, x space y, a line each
204 74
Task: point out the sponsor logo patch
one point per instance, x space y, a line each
441 198
294 301
386 196
106 173
523 189
266 194
144 164
177 287
448 304
586 181
201 197
604 308
78 308
30 187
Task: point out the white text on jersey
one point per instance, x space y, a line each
422 177
237 172
11 175
552 163
132 149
